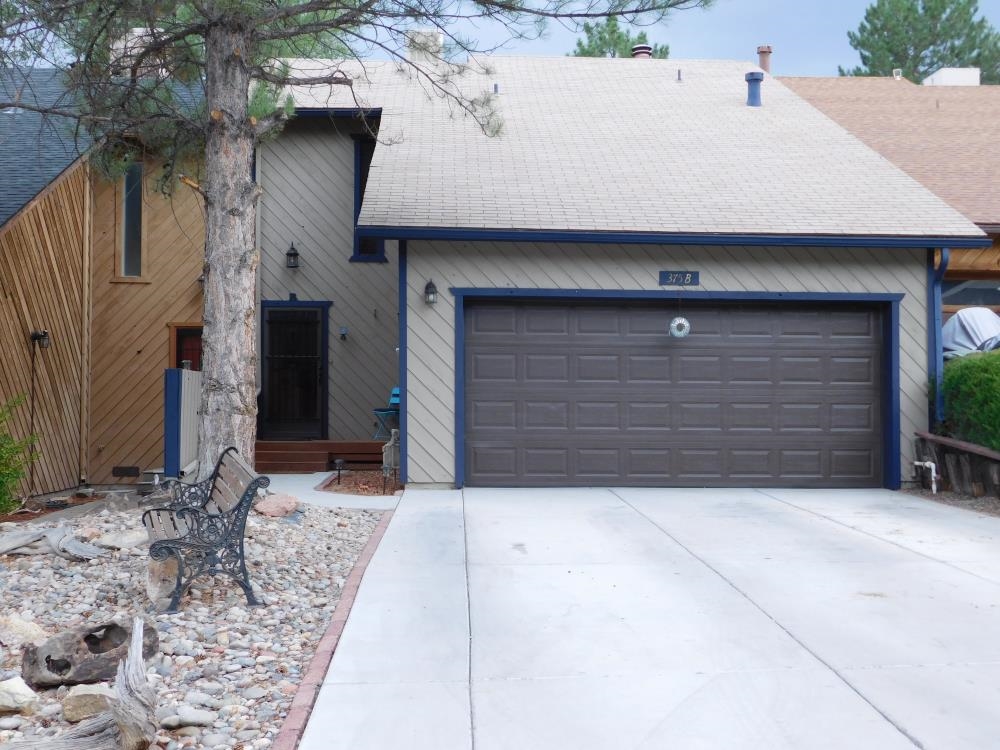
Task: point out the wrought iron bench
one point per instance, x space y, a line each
202 527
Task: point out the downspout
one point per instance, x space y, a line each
934 334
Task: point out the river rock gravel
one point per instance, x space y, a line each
226 673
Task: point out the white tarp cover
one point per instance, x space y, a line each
970 330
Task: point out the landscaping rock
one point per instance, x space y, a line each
16 631
84 701
123 539
277 505
86 654
190 716
16 697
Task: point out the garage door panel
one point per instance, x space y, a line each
598 393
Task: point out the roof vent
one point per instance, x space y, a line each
764 57
753 88
642 50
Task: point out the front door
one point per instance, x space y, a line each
293 393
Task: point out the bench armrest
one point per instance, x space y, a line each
188 495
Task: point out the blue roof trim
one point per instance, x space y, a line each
461 292
664 238
358 112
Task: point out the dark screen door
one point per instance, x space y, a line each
293 397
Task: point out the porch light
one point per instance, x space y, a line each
292 257
430 293
41 338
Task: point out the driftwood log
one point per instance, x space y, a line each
130 724
58 541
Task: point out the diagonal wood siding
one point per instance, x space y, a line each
131 338
44 260
308 179
431 329
978 260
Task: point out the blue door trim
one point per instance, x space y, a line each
324 307
888 302
403 397
664 238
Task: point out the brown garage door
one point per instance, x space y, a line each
585 394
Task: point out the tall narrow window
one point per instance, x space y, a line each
366 249
132 222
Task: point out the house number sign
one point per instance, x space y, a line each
679 278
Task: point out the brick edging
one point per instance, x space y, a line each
294 725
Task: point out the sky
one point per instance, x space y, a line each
809 37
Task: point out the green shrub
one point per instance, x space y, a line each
972 398
15 455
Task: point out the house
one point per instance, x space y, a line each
942 135
530 292
44 281
621 199
110 269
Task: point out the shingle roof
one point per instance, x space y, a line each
947 137
621 145
34 150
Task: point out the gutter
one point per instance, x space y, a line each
934 343
664 238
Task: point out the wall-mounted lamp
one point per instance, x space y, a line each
201 280
41 338
343 333
292 257
430 293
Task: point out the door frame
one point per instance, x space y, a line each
324 307
888 304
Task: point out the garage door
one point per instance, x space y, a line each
587 394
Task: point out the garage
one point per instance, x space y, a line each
598 393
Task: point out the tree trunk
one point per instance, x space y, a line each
229 389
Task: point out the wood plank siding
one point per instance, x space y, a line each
44 263
431 328
131 317
976 263
307 175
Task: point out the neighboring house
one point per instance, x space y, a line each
44 282
560 248
944 136
110 270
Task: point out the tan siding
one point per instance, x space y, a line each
431 333
131 340
43 258
308 178
978 261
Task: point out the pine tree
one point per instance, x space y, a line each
608 39
181 81
922 36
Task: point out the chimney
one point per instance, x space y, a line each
764 57
425 45
753 88
642 50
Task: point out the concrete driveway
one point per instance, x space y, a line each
671 619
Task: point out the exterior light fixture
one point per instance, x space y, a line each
680 327
343 333
41 338
430 293
292 257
